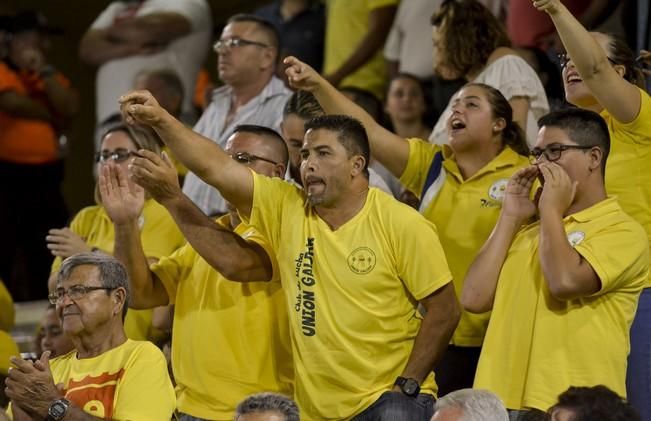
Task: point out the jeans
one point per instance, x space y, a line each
638 375
396 406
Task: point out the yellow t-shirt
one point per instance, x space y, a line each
537 346
7 311
347 24
628 174
160 236
464 212
230 339
129 382
8 348
351 293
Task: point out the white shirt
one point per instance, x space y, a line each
266 109
184 55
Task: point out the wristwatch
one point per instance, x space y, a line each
409 387
57 410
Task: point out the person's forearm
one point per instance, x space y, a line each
97 48
481 279
389 149
23 107
224 250
155 28
128 250
433 337
588 57
64 100
380 21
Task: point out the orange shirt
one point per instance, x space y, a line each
24 140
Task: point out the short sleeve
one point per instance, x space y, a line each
421 155
640 128
620 262
173 269
271 198
393 42
252 235
145 392
421 262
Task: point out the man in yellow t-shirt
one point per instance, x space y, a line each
230 339
107 376
563 289
355 35
354 264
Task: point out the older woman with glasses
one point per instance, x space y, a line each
92 230
600 74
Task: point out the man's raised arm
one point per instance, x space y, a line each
199 154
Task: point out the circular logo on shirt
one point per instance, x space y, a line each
362 260
575 237
498 189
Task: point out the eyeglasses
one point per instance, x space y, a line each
118 155
75 292
235 42
554 151
247 158
563 59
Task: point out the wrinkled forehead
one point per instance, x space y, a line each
245 142
245 30
80 275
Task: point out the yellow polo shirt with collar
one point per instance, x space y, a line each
464 212
628 169
537 346
231 339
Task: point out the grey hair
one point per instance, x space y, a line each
112 273
267 401
476 405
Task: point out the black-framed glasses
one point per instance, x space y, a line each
247 158
118 155
75 292
563 59
235 42
554 151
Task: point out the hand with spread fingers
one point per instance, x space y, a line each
157 175
558 189
141 107
517 202
301 76
548 6
31 387
64 242
122 203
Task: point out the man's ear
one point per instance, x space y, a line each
596 156
279 170
119 300
359 163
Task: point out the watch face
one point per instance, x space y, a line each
410 387
57 410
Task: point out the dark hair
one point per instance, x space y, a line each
512 136
621 53
350 133
583 127
267 133
596 403
272 402
366 100
268 28
468 49
304 105
112 273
